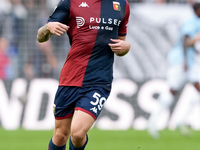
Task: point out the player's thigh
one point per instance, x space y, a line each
194 73
88 108
81 123
176 77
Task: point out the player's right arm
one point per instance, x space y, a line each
188 41
46 31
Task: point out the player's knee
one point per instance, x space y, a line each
78 136
166 99
61 136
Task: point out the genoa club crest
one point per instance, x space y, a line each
116 6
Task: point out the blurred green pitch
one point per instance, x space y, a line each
103 140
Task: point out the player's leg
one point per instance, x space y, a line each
183 128
87 110
176 79
165 100
81 123
61 134
64 104
193 77
194 101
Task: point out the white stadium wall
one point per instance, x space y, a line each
129 105
139 79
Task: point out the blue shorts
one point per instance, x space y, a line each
89 100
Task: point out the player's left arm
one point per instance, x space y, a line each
57 22
119 46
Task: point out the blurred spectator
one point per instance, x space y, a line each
13 29
5 9
51 4
18 14
42 63
5 62
11 21
5 6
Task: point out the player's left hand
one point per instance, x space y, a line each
119 47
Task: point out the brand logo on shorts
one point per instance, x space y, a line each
94 109
80 21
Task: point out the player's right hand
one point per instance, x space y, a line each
57 28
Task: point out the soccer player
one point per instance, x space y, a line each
97 30
182 67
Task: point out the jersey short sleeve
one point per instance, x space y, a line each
61 12
191 27
123 25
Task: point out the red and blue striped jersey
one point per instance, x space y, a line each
92 24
